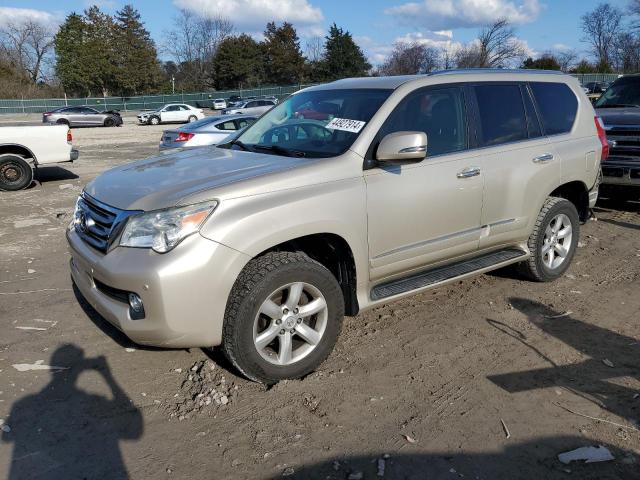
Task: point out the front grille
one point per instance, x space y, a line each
624 141
96 223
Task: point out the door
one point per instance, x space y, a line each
74 116
521 166
91 116
423 213
170 113
252 108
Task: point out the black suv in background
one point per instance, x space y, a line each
619 108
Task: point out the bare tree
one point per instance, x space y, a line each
601 27
626 55
566 59
447 57
634 9
194 42
27 46
496 46
314 49
410 59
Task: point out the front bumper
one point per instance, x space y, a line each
184 291
621 171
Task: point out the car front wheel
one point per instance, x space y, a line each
154 120
283 317
553 241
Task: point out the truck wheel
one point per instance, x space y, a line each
553 241
109 122
283 317
15 173
154 120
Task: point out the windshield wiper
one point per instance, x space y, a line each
280 150
241 145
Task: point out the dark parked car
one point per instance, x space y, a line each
596 87
83 116
619 109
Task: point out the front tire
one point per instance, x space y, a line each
553 241
154 120
283 317
109 122
15 173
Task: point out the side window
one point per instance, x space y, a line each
557 105
533 124
439 112
243 122
184 107
502 116
251 104
226 125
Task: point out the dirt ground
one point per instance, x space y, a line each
489 378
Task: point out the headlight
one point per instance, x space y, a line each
162 230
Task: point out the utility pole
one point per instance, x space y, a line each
173 85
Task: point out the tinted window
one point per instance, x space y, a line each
533 124
439 113
557 106
243 122
502 116
251 104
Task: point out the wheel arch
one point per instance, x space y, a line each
335 253
577 193
17 149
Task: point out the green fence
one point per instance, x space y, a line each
596 77
202 99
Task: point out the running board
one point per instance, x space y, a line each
448 272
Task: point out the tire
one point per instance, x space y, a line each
154 120
545 265
109 122
272 277
15 173
192 119
62 122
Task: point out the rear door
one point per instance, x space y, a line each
520 165
91 116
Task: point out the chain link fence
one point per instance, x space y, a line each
143 102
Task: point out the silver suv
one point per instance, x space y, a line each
263 244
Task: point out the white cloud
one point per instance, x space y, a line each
253 15
450 14
20 15
561 47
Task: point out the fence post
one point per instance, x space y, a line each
22 103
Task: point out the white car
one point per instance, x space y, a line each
219 104
24 148
251 107
171 113
208 131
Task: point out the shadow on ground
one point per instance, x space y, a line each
53 173
65 432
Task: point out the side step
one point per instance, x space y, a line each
441 274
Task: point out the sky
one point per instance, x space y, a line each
543 25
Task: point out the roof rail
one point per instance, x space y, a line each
495 70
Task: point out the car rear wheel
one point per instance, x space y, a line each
109 122
192 118
283 317
15 173
553 241
62 122
154 120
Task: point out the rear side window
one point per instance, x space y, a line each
502 114
557 106
229 125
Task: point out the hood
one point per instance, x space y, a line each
619 116
164 180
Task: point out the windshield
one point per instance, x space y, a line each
625 94
317 123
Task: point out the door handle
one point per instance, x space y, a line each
547 157
469 172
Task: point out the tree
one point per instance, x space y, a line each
101 51
627 53
601 27
410 59
566 59
546 62
193 44
27 45
138 67
495 47
71 62
239 62
342 56
284 63
583 66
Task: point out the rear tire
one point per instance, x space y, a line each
63 122
192 119
15 173
266 327
109 122
553 241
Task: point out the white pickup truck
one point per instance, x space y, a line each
24 148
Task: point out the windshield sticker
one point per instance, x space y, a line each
353 126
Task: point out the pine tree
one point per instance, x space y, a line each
101 51
343 57
239 62
71 63
284 63
137 59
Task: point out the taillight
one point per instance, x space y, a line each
46 114
69 136
602 136
183 137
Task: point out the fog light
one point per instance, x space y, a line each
136 307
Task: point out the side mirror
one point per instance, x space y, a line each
402 147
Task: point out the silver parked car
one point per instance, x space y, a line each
208 131
251 107
82 116
263 245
